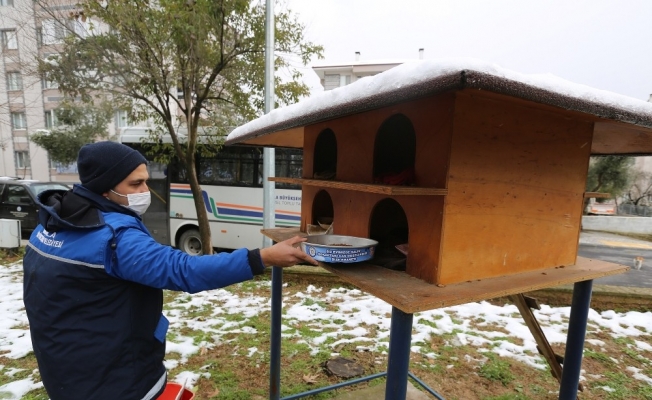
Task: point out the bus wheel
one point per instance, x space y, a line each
190 242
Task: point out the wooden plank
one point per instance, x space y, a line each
597 195
411 295
292 137
516 185
612 137
542 342
365 187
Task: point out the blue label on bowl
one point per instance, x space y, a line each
340 255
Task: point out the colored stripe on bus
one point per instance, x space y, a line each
227 212
207 202
237 212
238 206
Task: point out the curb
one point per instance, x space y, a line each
604 297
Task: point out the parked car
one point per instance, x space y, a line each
18 201
606 207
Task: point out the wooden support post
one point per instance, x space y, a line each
548 353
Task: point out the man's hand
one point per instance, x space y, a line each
285 254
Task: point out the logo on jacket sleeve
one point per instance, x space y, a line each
47 238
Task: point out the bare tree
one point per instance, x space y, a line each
641 189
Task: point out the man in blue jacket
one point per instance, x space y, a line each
93 280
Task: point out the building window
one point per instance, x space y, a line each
39 37
79 27
22 159
345 80
121 119
50 119
18 120
9 41
6 3
331 81
52 32
46 84
14 81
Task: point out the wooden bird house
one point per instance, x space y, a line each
475 172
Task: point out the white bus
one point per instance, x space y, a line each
232 187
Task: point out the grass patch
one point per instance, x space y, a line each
8 256
233 363
497 369
514 396
617 382
603 358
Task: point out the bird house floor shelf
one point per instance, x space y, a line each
411 295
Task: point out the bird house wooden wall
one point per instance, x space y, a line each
497 184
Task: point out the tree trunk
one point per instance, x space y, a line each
202 216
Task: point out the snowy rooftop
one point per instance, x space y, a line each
423 78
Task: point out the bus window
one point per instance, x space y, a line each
242 166
178 172
234 166
289 164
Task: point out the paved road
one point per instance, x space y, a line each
621 250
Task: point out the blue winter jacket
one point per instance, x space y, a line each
93 280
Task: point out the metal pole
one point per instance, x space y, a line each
335 386
275 339
425 387
579 315
269 211
269 208
400 338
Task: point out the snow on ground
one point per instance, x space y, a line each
335 317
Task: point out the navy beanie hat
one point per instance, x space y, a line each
102 165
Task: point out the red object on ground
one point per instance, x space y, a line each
173 392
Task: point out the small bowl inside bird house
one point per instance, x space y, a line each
325 222
403 248
321 229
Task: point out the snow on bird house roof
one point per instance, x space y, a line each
422 78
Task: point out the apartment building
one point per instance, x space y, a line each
335 75
29 103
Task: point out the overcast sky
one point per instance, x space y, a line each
600 43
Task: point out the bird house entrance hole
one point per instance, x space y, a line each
394 152
389 226
325 161
322 209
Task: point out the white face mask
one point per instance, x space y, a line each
138 202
